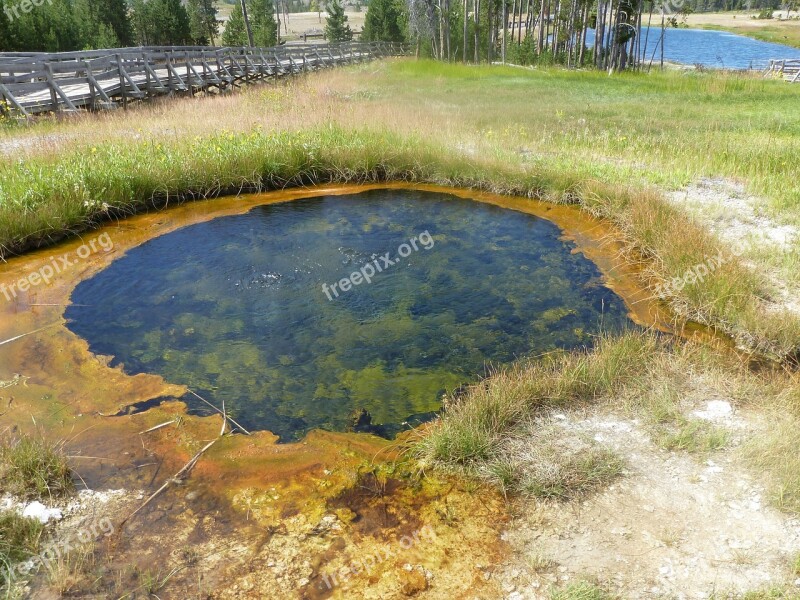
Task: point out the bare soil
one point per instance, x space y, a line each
675 526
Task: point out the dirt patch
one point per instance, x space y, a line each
733 214
675 525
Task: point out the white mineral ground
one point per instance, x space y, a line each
673 526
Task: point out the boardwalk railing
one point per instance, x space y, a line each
788 69
98 79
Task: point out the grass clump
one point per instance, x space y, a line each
19 540
548 461
775 452
694 436
581 590
33 468
502 430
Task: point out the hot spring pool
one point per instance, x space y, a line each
301 314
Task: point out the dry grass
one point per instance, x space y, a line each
543 459
778 30
69 571
580 590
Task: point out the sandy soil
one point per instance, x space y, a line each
674 526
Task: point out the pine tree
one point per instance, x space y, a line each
235 33
336 27
114 15
103 23
7 43
202 21
262 19
385 21
161 22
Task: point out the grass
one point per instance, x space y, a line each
19 540
546 460
775 451
474 427
501 430
694 436
33 468
581 590
493 431
69 570
607 144
773 593
604 146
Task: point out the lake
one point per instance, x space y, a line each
712 49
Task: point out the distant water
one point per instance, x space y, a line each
713 49
235 307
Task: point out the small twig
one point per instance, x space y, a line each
199 397
90 457
8 341
158 426
187 467
60 304
224 418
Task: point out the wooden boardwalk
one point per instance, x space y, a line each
788 69
33 83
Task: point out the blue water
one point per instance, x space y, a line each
235 308
712 49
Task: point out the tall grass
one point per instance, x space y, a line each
19 540
34 468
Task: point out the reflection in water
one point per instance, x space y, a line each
235 308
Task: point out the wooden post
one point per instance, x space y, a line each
122 83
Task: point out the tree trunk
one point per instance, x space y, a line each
466 18
540 37
476 4
505 28
247 24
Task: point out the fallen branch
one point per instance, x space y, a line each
224 416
